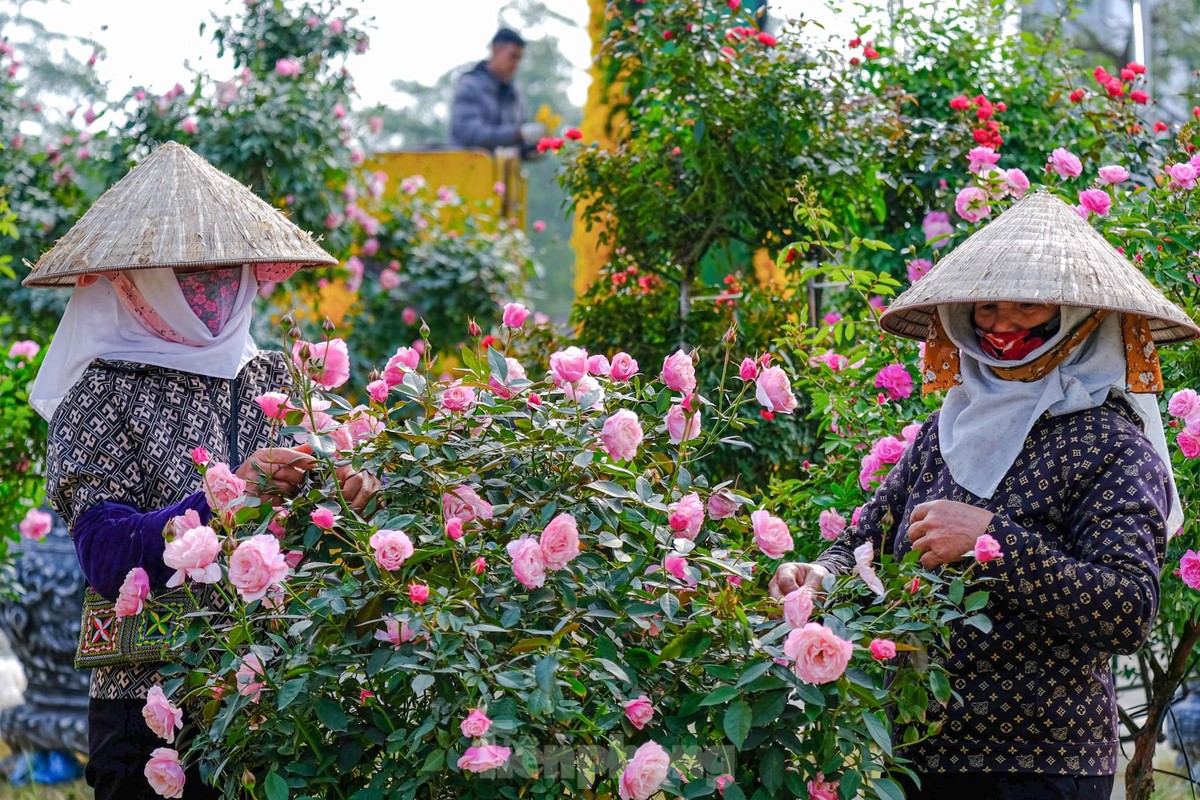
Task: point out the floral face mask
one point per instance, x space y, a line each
211 294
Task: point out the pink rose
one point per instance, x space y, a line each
723 781
164 773
937 226
35 525
599 366
972 204
980 157
25 348
917 268
454 529
864 565
177 526
818 654
324 518
622 435
161 717
225 492
193 555
677 566
1065 163
393 548
645 772
986 548
418 593
484 757
883 649
1096 201
582 388
821 789
256 566
287 67
362 426
559 542
682 426
889 449
133 592
1189 569
247 677
1189 443
834 361
200 456
895 380
774 390
328 363
1016 182
529 564
516 372
1183 176
678 373
722 505
1114 174
568 366
477 723
464 503
771 534
832 318
1184 404
639 711
515 315
388 280
798 607
909 434
479 565
831 524
686 516
378 390
854 515
406 359
623 367
748 371
458 398
867 471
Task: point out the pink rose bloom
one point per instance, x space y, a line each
161 717
771 534
336 26
937 225
393 548
418 593
883 649
821 789
256 566
200 456
917 268
686 516
622 435
328 362
458 398
855 515
587 385
1189 569
972 204
193 555
479 565
133 592
454 529
798 607
395 633
324 518
26 348
529 564
723 505
639 711
1184 404
177 526
378 391
568 366
405 360
1183 176
748 370
678 373
363 425
388 280
831 524
1114 174
834 361
599 366
476 724
35 525
1065 163
464 503
909 434
832 318
980 157
1016 182
1096 201
682 426
677 566
895 380
515 372
818 654
864 565
889 449
623 367
247 676
774 390
164 773
1189 443
274 404
986 548
484 757
867 472
723 781
224 490
559 542
645 772
515 315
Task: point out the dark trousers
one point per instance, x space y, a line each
119 745
1019 786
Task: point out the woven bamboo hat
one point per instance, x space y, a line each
174 209
1038 251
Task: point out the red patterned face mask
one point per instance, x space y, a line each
1016 345
211 294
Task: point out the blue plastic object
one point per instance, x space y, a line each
46 767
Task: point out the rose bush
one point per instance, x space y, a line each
22 447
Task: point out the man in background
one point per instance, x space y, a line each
487 110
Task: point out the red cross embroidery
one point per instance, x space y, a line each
101 633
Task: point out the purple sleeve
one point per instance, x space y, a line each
113 538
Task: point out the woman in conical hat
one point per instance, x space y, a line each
152 364
1048 450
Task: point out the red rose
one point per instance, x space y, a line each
854 62
1136 68
1139 96
1077 96
960 103
855 42
1115 87
573 133
1101 75
870 52
1160 126
668 35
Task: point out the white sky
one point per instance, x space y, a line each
151 42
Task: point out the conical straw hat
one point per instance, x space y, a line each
174 209
1038 251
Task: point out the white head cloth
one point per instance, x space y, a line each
96 324
985 420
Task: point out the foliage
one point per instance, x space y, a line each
23 446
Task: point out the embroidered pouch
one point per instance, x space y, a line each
107 640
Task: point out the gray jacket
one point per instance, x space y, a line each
487 112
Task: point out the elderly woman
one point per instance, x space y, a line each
153 359
1050 441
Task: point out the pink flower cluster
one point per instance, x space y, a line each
35 525
1185 405
557 547
819 656
1189 569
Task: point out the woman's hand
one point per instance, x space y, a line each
357 487
790 577
275 472
943 531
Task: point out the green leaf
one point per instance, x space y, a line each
771 770
721 695
955 595
979 622
975 601
877 727
940 684
275 787
688 644
768 708
887 789
733 792
612 490
753 672
737 722
420 683
290 690
330 714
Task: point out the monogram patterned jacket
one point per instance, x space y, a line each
123 438
1081 522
